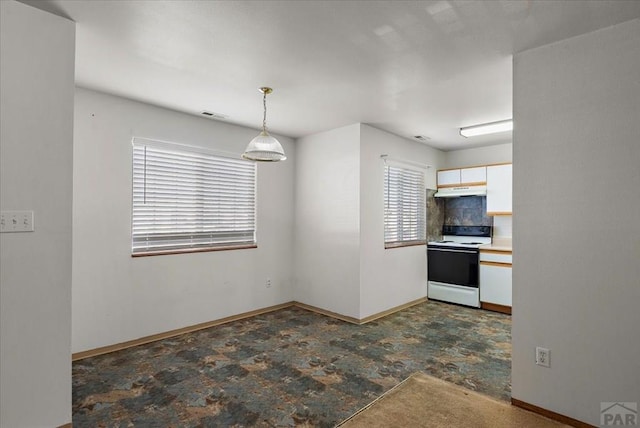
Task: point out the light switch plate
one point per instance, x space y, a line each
16 221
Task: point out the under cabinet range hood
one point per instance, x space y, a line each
454 192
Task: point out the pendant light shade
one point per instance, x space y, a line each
264 147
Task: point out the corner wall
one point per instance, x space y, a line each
36 132
117 298
327 221
576 276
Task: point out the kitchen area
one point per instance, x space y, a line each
469 223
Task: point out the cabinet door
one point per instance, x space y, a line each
448 177
474 175
499 189
495 284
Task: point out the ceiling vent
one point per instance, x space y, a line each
213 115
422 138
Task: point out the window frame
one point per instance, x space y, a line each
206 156
420 230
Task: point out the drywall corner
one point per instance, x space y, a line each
327 220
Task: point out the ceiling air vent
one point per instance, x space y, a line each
421 138
214 115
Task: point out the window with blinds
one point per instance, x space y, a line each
185 199
404 207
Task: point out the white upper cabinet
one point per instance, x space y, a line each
464 176
499 189
448 177
476 175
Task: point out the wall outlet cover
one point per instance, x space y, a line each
543 357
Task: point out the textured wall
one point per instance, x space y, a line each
36 143
576 276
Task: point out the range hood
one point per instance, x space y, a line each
454 192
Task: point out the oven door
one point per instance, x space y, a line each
453 265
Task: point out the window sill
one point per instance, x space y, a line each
390 245
194 250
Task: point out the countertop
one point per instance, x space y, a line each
498 244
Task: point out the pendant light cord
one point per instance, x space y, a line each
264 117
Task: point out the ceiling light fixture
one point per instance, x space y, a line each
487 128
264 147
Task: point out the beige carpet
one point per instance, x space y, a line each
424 401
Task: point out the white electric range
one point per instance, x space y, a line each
453 264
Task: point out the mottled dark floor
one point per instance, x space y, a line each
291 367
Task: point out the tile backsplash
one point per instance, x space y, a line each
467 211
463 211
435 216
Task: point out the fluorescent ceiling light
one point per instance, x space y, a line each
487 128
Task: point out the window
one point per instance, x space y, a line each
186 199
404 207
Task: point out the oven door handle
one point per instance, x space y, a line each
452 251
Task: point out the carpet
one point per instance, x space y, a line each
425 401
290 367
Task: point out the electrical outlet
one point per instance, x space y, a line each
268 283
543 357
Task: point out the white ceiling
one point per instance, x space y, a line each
409 67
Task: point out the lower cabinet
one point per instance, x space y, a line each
495 281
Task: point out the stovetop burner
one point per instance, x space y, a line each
463 236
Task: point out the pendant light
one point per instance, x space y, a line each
264 147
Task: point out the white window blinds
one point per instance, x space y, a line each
186 199
404 206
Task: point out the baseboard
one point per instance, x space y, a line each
172 333
496 308
176 332
327 313
549 414
392 310
360 321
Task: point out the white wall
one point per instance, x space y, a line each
502 226
576 275
118 298
327 220
36 118
341 264
479 156
388 277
